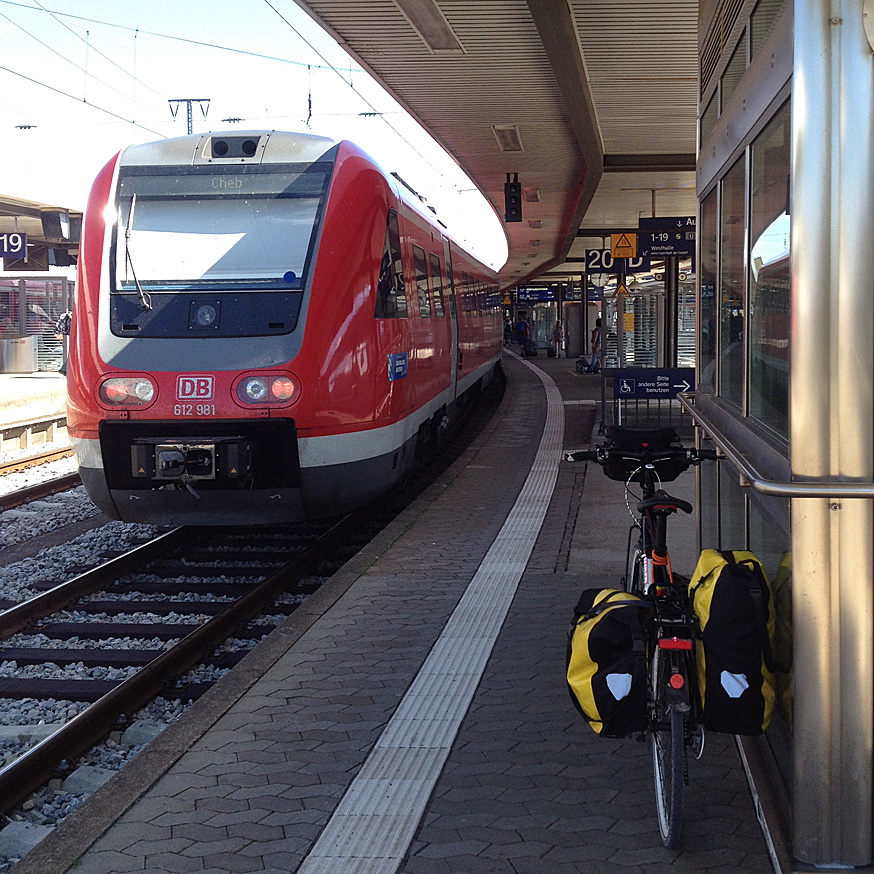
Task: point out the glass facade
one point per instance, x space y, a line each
707 307
769 276
731 283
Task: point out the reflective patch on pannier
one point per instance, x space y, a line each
732 599
606 670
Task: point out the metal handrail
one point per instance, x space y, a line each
752 478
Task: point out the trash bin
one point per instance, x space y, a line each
18 355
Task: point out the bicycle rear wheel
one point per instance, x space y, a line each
634 581
668 755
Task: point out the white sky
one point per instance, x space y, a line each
92 76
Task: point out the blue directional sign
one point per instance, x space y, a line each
669 223
665 236
652 383
13 245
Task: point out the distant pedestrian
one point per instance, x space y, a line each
62 331
523 332
557 338
595 364
508 332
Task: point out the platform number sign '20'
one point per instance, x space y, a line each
13 245
602 261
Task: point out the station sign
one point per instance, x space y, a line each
667 236
623 245
602 261
535 295
652 383
671 223
664 244
13 245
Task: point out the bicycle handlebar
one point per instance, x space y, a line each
604 454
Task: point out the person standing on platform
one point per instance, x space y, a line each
557 337
595 365
522 332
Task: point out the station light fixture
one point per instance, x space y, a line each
508 137
431 24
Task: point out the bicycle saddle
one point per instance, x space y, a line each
661 500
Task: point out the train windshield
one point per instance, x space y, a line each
216 228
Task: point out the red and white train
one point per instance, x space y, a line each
266 328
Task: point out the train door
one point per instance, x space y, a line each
453 319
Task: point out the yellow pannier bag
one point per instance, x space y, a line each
734 605
606 666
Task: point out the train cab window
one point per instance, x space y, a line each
468 292
437 286
421 267
391 295
213 251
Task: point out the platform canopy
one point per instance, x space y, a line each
51 232
593 103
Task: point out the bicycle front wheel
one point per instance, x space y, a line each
668 756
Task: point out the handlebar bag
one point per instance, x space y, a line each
606 666
732 599
620 438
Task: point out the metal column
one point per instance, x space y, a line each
832 410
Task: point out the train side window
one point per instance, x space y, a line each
421 268
467 292
391 295
451 282
437 286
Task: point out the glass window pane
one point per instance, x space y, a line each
734 71
437 284
771 544
421 268
707 306
770 296
760 23
708 117
731 285
732 510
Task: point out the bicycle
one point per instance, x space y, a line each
649 457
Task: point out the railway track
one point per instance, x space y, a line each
238 584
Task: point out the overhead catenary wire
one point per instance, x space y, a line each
195 42
78 100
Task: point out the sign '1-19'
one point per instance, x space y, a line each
13 245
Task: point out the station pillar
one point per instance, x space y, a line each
831 439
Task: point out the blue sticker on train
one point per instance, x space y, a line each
397 365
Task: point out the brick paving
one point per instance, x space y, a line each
527 788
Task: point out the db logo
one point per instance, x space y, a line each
194 388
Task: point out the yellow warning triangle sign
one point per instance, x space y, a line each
623 245
622 289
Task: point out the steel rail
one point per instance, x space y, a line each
33 768
29 461
750 476
40 490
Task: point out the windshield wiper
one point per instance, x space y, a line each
145 299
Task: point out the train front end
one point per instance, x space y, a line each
186 373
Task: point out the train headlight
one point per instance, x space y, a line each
267 389
127 391
255 388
